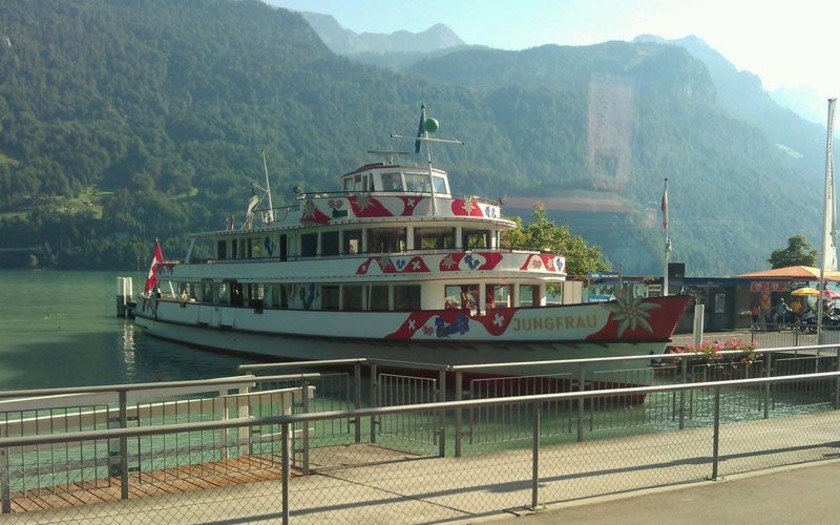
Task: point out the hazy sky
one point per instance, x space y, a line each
784 43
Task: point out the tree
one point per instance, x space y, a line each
799 252
543 235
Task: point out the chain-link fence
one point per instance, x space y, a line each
554 447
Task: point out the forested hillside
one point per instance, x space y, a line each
123 121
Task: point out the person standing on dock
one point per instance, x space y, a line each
755 312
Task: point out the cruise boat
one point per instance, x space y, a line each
394 265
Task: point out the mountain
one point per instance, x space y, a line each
123 121
611 121
805 101
742 95
345 42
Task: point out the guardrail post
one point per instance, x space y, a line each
304 431
836 379
374 400
716 440
6 475
459 396
535 458
768 362
357 378
684 372
442 398
123 444
286 471
580 402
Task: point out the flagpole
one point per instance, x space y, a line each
829 246
667 237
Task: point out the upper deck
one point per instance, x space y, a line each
380 193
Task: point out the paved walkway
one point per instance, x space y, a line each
793 495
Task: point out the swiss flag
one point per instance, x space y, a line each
157 258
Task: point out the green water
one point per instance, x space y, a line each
61 329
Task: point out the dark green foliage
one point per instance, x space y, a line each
155 113
799 252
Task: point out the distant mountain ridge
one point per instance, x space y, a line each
342 41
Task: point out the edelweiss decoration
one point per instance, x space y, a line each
631 313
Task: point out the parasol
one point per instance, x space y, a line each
830 294
807 291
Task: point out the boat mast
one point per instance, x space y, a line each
428 125
268 189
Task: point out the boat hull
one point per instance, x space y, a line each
553 333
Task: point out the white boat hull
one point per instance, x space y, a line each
572 332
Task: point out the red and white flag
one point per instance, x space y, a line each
157 258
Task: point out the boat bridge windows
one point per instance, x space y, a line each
396 181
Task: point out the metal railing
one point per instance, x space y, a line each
536 469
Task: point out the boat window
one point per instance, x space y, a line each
378 297
269 300
406 297
305 297
284 248
188 292
476 239
529 296
352 241
207 292
353 297
348 184
269 246
233 246
498 295
386 240
309 245
223 293
221 249
461 296
418 182
288 299
360 183
440 185
391 182
329 243
434 238
329 297
255 250
275 297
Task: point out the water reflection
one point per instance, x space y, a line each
128 357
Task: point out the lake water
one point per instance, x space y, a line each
61 329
